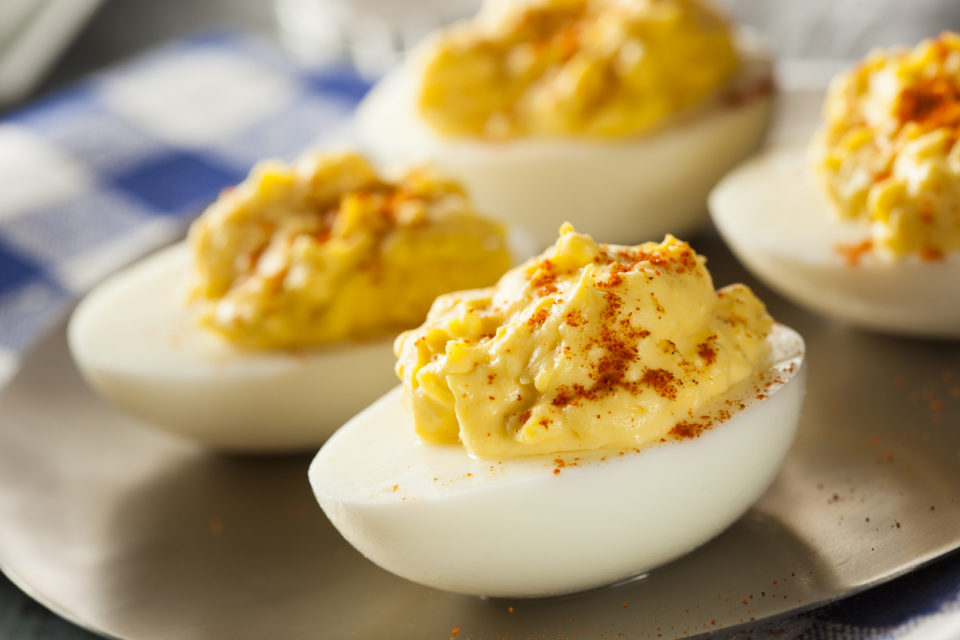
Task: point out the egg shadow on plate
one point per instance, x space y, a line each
217 546
214 546
722 584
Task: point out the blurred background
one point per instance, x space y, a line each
47 43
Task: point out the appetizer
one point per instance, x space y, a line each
597 413
864 225
272 323
616 115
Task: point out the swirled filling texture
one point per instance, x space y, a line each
887 150
599 68
326 250
587 346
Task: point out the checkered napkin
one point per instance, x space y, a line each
120 163
100 172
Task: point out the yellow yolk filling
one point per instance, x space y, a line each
326 251
587 346
601 68
887 151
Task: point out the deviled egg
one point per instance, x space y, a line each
864 224
273 323
599 412
615 115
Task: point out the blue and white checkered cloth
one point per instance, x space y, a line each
101 172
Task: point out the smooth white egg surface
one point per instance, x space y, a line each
135 342
632 189
547 525
777 219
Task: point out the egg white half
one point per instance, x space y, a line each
525 527
632 189
777 219
135 342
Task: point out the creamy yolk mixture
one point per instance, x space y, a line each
887 151
326 251
601 68
587 346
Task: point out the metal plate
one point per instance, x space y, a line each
137 535
133 534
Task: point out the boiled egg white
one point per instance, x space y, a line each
633 188
778 220
135 342
548 525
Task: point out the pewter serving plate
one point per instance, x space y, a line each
134 534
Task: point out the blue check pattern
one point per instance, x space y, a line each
102 166
104 170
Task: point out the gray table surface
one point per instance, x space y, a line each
809 28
